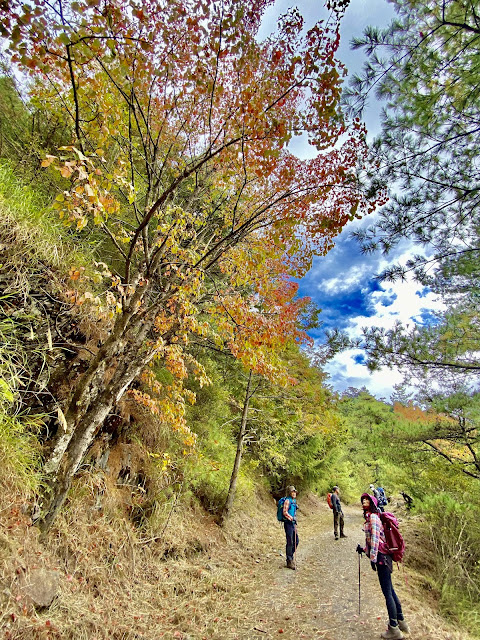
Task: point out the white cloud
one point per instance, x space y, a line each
406 306
346 281
345 372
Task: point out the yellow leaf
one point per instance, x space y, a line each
66 172
49 339
48 160
61 418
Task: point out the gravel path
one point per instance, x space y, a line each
320 600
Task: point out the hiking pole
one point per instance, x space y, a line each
358 584
295 545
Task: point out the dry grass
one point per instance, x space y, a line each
116 585
195 582
422 565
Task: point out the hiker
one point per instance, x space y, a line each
374 492
376 549
382 498
290 524
408 499
337 513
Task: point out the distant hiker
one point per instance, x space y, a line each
382 498
379 494
408 499
337 513
290 524
376 549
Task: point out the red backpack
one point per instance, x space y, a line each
329 500
394 538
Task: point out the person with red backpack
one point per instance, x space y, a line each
338 518
381 560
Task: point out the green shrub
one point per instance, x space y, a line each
454 530
19 450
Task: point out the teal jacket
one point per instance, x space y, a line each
292 507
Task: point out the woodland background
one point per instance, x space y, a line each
157 380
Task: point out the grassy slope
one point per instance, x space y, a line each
114 583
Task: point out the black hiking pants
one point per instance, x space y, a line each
292 539
394 606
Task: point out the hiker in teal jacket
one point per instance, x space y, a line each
290 524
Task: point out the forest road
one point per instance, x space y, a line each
320 600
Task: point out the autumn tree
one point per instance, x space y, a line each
179 169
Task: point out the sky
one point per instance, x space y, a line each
343 283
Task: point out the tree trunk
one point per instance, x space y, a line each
90 385
238 458
91 403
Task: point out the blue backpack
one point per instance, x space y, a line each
382 498
280 517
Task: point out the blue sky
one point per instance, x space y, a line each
343 283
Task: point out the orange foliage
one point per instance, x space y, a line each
181 121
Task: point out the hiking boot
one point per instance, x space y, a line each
392 633
291 564
342 535
336 537
403 626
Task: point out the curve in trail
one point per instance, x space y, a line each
321 599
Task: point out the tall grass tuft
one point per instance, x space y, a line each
26 220
19 449
454 531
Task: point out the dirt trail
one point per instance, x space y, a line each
320 600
